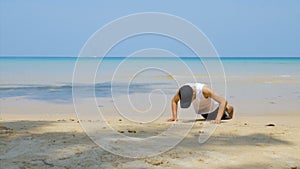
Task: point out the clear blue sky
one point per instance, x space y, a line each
235 27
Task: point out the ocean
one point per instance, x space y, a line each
240 80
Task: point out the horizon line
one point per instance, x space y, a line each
62 56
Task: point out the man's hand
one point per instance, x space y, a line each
217 121
172 119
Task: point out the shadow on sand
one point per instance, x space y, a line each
30 146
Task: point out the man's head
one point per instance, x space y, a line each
185 95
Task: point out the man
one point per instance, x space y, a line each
206 102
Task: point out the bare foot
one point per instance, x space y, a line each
171 119
230 111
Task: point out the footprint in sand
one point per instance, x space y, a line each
5 130
154 162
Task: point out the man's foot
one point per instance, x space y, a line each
172 119
230 110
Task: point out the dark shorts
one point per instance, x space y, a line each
213 115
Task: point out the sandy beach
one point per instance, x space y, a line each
39 127
128 84
58 141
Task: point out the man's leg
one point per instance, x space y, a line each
230 111
228 114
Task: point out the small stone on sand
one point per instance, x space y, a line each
131 131
271 124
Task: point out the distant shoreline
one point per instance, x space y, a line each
140 57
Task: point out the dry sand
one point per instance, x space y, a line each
58 141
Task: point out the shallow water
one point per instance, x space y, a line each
269 83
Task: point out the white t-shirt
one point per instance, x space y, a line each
201 104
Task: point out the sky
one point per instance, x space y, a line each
250 28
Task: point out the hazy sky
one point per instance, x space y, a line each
235 27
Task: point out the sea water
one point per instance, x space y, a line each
51 79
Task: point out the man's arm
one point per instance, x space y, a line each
174 107
207 92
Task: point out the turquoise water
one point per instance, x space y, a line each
50 78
